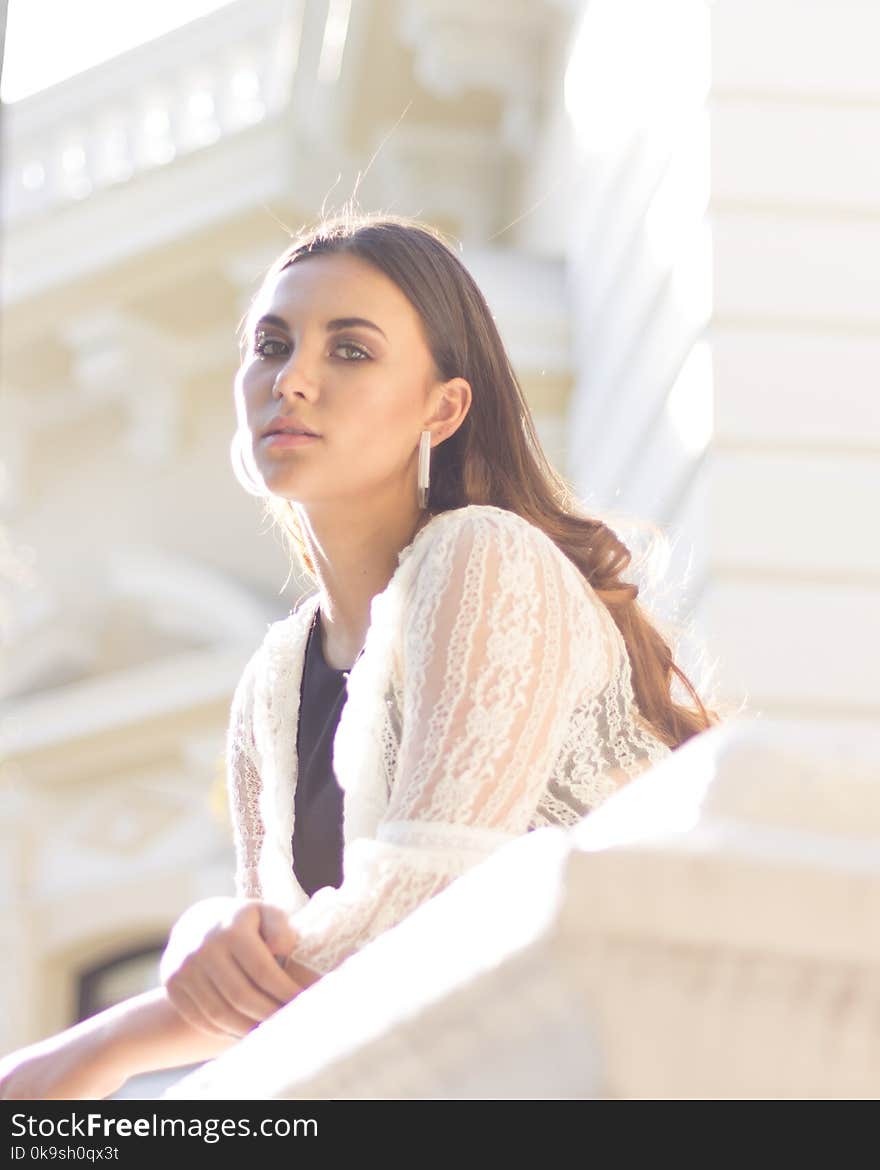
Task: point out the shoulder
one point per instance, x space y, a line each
494 535
482 521
491 526
500 550
524 565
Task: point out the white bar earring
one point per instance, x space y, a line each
424 468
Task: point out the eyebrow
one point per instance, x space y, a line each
336 323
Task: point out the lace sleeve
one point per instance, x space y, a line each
243 783
497 644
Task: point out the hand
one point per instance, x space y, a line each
219 968
68 1066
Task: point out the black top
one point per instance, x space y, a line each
317 803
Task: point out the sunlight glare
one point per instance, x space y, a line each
81 35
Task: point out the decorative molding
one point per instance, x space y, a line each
148 693
142 109
58 646
185 599
441 172
118 358
294 152
54 654
123 821
493 46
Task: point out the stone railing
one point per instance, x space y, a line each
155 103
710 931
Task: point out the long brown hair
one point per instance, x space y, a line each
495 456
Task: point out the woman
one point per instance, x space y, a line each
502 675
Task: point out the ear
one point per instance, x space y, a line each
452 401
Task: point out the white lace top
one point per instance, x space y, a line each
493 696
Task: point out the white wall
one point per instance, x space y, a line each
792 564
723 244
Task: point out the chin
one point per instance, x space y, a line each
281 481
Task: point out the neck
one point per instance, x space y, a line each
355 552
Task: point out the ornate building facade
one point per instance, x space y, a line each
677 240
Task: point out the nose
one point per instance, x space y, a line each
295 377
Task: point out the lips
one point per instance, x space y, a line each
288 429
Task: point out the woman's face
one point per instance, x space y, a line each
362 387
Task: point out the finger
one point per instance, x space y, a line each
226 982
263 969
277 929
188 1009
211 1005
302 974
237 988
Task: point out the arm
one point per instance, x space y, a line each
145 1033
96 1057
498 643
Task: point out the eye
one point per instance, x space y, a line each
362 353
261 342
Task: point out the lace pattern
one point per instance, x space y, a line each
493 697
243 782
